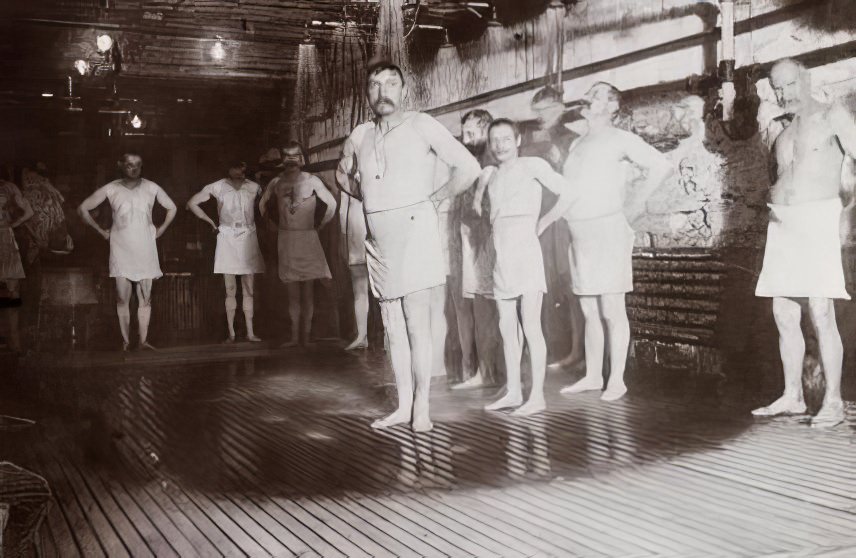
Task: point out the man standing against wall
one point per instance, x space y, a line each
472 271
237 253
396 157
802 259
132 237
600 254
548 137
300 255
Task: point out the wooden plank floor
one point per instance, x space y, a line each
274 457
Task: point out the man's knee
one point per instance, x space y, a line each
614 311
822 311
590 308
787 315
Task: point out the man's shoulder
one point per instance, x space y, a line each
357 134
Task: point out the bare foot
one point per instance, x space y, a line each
613 393
357 344
586 384
253 339
229 340
476 381
289 344
398 417
531 407
145 346
505 402
422 424
784 405
830 414
570 362
125 346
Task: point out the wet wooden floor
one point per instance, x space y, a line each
274 457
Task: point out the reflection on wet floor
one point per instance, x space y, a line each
207 447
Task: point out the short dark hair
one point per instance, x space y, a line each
484 117
381 65
504 122
124 156
235 164
294 144
548 93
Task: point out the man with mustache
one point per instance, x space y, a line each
132 236
473 278
237 253
802 258
600 254
300 254
396 157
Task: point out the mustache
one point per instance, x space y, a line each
384 100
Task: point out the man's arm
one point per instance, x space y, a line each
481 188
90 203
167 203
269 191
22 203
463 167
323 194
199 197
655 163
348 169
844 126
556 183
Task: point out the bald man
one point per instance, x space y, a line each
802 259
396 157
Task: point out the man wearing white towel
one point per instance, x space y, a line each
237 253
601 236
133 250
802 259
396 156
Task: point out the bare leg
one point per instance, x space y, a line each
439 329
618 332
822 311
417 315
123 309
399 353
593 380
144 310
231 304
470 367
576 358
360 286
530 320
293 313
509 327
787 314
248 283
307 309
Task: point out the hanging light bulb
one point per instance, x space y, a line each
136 122
217 51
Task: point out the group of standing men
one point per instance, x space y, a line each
390 164
133 249
388 169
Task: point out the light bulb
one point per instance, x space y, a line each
104 43
217 51
137 122
82 67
